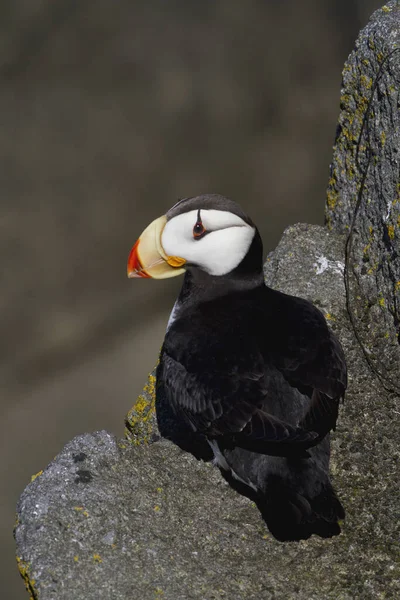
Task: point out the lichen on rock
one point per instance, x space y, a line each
363 191
140 422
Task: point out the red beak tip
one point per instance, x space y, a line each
134 268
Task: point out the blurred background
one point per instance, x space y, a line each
110 112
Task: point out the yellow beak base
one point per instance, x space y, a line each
147 258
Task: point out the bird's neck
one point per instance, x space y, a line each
199 286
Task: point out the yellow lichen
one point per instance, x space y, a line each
397 286
383 138
386 9
157 508
139 424
97 558
82 510
23 568
391 231
366 82
381 301
76 558
331 198
36 475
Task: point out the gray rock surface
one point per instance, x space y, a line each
117 520
367 146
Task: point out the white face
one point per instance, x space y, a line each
219 250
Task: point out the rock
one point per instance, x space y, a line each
368 145
138 518
119 520
141 422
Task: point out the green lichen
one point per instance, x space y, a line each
366 250
139 422
350 167
331 198
23 568
354 104
366 82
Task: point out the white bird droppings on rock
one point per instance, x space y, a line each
323 264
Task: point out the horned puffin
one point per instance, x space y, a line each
248 376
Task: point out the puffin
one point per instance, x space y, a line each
248 377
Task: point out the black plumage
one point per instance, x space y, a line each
254 378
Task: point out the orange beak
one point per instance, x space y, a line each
147 258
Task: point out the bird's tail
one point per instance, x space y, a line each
291 515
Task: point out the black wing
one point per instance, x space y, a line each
310 358
223 394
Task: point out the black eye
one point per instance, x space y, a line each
198 230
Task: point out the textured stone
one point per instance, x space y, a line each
367 146
119 520
140 422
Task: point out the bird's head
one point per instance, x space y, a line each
208 232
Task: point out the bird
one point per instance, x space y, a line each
249 377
